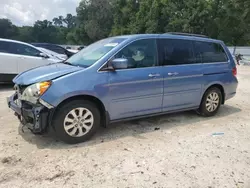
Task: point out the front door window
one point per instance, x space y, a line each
141 53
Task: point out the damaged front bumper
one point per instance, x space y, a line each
34 116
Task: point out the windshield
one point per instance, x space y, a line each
91 54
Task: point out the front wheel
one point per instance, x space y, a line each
211 102
76 121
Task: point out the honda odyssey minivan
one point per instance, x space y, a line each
123 78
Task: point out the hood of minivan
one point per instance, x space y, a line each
44 73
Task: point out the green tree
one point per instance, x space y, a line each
96 18
25 34
190 16
124 12
44 31
7 29
230 22
70 21
149 18
57 22
78 36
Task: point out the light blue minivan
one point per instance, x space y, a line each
123 78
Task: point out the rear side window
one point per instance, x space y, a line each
176 52
5 47
208 52
19 49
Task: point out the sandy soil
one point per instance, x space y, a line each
176 150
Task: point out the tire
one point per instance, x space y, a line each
69 121
206 108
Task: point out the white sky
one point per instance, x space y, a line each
26 12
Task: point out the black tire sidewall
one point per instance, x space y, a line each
58 121
203 110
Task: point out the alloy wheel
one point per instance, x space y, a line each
78 122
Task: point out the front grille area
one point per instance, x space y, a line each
26 105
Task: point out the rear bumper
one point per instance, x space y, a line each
231 89
229 96
34 116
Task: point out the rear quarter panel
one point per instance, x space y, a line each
221 73
225 79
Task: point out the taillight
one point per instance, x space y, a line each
234 71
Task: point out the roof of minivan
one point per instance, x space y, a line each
172 36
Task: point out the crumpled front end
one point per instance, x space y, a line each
35 116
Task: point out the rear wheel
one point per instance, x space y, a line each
77 121
211 102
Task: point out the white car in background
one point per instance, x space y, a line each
16 57
53 54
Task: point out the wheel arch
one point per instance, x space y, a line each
104 114
220 87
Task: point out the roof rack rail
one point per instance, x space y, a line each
187 34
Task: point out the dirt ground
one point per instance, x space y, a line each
176 150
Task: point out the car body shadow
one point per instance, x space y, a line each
135 128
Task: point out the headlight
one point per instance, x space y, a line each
33 92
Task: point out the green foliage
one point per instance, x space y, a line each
70 21
124 12
228 20
95 18
25 34
58 21
7 29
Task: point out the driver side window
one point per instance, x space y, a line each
141 53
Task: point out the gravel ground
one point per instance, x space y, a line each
176 150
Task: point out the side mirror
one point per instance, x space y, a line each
43 55
115 64
120 63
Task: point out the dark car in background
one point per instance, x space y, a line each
53 47
81 47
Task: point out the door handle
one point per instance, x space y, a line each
173 73
153 75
